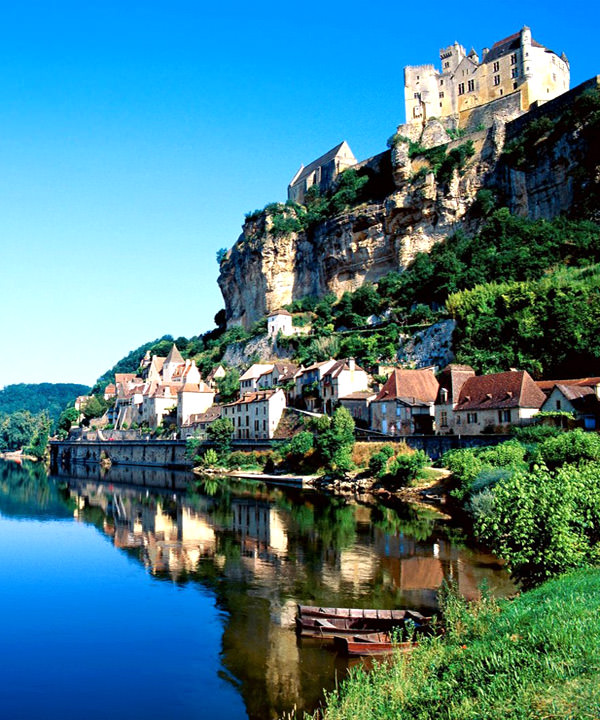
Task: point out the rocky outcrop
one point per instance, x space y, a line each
264 271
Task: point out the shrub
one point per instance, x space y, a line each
570 447
403 469
465 466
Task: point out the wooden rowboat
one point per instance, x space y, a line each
313 621
370 644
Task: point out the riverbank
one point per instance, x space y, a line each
537 656
17 456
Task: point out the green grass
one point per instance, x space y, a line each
537 656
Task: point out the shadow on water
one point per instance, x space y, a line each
260 550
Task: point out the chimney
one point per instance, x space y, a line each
352 364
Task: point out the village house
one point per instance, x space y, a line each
307 391
197 425
282 373
358 405
342 378
215 374
256 415
280 321
492 403
451 380
250 379
516 65
321 172
193 399
405 404
581 397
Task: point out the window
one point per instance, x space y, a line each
441 82
444 418
558 404
461 88
471 85
513 59
496 67
383 408
514 72
256 425
441 94
417 112
417 96
398 410
504 416
471 418
496 79
446 64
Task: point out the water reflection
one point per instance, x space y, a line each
260 551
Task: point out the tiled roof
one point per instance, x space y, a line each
197 388
515 388
452 378
252 397
255 371
548 385
124 377
359 395
416 384
279 312
213 413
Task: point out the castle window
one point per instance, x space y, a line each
446 64
496 79
514 72
515 85
471 85
441 82
513 59
496 67
441 94
461 88
417 96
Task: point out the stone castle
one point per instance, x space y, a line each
516 64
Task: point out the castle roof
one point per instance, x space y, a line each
174 356
514 388
507 45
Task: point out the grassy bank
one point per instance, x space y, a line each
537 656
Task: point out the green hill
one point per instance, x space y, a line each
35 398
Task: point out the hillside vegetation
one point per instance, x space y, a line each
36 398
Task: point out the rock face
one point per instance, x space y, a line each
264 271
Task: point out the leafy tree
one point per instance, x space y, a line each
67 419
39 441
220 432
95 407
228 386
335 439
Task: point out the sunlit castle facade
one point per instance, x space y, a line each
516 64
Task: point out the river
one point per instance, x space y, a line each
125 595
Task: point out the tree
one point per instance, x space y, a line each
335 440
95 407
67 419
228 386
39 441
220 432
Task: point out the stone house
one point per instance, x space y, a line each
492 403
250 379
342 378
580 397
451 380
321 172
405 404
358 405
516 64
256 415
280 321
307 390
193 399
197 425
283 372
215 374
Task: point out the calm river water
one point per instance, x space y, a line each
150 602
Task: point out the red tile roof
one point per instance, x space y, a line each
515 388
417 384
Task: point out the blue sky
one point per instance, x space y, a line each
135 136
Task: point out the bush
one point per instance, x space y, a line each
570 447
403 469
465 466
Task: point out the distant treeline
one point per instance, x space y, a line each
37 398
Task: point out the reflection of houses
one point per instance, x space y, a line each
405 404
580 397
261 524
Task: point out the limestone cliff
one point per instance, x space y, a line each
420 207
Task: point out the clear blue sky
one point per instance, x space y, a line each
135 135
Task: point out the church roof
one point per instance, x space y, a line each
174 356
304 172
